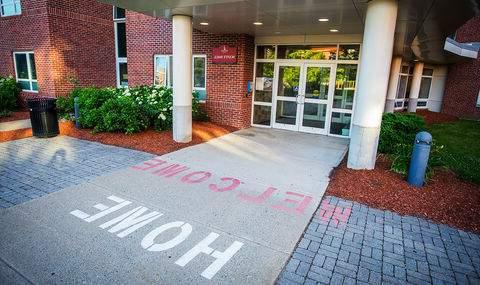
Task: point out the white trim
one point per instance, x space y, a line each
118 60
30 80
118 19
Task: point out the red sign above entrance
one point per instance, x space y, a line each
224 54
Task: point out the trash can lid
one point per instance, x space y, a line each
423 137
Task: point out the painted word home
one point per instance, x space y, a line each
136 217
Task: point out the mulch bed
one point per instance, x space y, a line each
21 115
436 118
446 199
150 140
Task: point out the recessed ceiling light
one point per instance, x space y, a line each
204 23
323 20
257 23
277 33
333 30
415 60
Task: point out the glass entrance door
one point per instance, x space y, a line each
303 93
287 93
314 105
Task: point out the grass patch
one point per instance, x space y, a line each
461 141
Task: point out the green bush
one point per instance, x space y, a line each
125 109
121 114
397 135
9 92
397 130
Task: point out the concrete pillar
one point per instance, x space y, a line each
182 78
393 84
415 88
372 82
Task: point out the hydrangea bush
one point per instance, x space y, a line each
126 110
9 92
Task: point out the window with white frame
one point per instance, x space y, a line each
163 73
10 8
120 46
403 88
425 84
25 71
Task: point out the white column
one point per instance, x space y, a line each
182 78
415 88
393 84
439 81
372 85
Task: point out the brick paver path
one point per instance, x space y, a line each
30 168
350 243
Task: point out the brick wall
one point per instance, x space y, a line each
28 32
226 83
463 80
69 38
82 34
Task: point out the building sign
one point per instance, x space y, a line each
224 54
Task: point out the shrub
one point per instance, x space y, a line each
65 106
9 92
121 114
398 129
89 102
125 109
397 135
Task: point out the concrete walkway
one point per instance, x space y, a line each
15 125
228 211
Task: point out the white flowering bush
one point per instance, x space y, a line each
128 110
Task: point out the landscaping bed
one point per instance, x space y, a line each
445 199
14 116
152 141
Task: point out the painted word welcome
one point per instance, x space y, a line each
293 202
138 217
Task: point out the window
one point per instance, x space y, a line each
348 52
25 70
10 8
314 52
118 13
425 84
163 65
120 46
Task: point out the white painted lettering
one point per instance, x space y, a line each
130 221
148 242
221 258
104 210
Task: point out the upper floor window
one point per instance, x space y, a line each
118 13
25 70
10 7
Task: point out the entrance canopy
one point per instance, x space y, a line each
421 28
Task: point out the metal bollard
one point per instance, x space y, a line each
419 161
77 113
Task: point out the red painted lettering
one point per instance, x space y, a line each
149 164
233 184
171 170
257 199
300 208
203 175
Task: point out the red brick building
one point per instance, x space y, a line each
50 44
462 89
226 96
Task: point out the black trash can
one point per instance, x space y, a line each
43 116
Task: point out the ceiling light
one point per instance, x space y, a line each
277 33
323 20
257 23
333 30
204 23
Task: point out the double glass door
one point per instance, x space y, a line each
303 93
